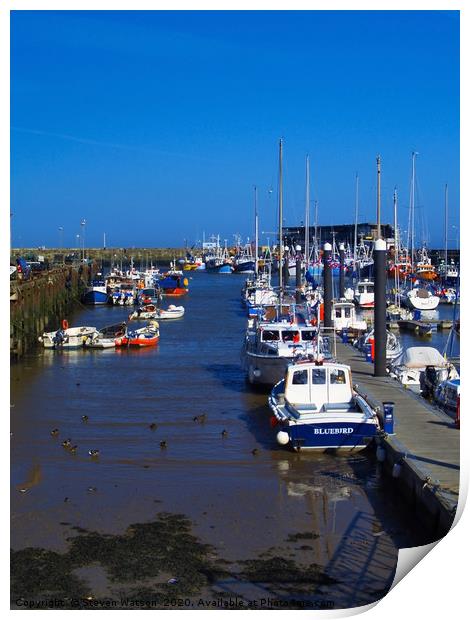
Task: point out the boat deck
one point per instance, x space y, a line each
425 437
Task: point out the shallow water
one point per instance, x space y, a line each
350 521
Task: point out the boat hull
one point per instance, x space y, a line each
264 370
344 435
95 298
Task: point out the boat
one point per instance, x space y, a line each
244 261
364 294
149 311
447 394
144 337
424 269
218 260
273 342
172 312
393 346
419 298
344 317
173 284
105 338
67 337
96 294
408 367
316 408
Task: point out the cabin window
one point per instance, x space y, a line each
347 313
370 289
300 377
337 377
308 335
290 336
318 376
360 289
338 313
270 335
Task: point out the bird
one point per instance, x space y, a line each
23 490
84 418
77 384
73 449
163 444
224 433
67 443
254 452
54 432
66 499
94 453
92 489
200 418
152 426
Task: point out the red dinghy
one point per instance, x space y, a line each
145 337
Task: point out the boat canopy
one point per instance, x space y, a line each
419 357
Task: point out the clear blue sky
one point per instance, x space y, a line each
154 126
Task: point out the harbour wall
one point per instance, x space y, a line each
40 304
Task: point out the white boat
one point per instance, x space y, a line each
447 394
69 338
344 316
364 294
393 346
317 408
412 363
172 312
105 338
270 345
420 299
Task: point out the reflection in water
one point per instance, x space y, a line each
243 493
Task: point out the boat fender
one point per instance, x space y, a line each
396 470
380 454
65 324
273 421
185 282
282 438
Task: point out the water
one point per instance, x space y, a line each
349 519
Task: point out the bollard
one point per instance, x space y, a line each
344 336
372 347
417 315
368 352
388 417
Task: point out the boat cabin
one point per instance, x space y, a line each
365 287
311 387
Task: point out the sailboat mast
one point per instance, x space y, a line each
307 212
316 226
395 227
281 245
379 232
445 229
256 230
413 158
355 220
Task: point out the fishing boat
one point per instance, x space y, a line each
144 337
412 363
105 338
419 298
316 408
364 294
244 261
344 317
424 269
96 294
173 284
123 294
67 337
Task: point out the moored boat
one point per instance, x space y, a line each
67 337
144 337
316 408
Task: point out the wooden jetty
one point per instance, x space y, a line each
422 326
423 454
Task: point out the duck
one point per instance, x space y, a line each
152 426
163 444
92 489
255 451
73 449
224 433
85 418
94 453
200 418
67 443
54 432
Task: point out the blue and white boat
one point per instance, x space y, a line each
96 294
316 408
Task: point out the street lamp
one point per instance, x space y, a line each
61 236
78 242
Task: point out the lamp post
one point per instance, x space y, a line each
61 236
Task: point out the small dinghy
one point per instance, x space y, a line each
67 337
146 312
147 336
172 312
105 338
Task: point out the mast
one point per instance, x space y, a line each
281 246
256 230
355 220
413 172
316 226
307 212
379 232
395 226
445 230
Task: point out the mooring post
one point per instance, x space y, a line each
298 275
327 285
380 308
341 271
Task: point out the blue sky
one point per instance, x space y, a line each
154 126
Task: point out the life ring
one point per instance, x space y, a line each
65 324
